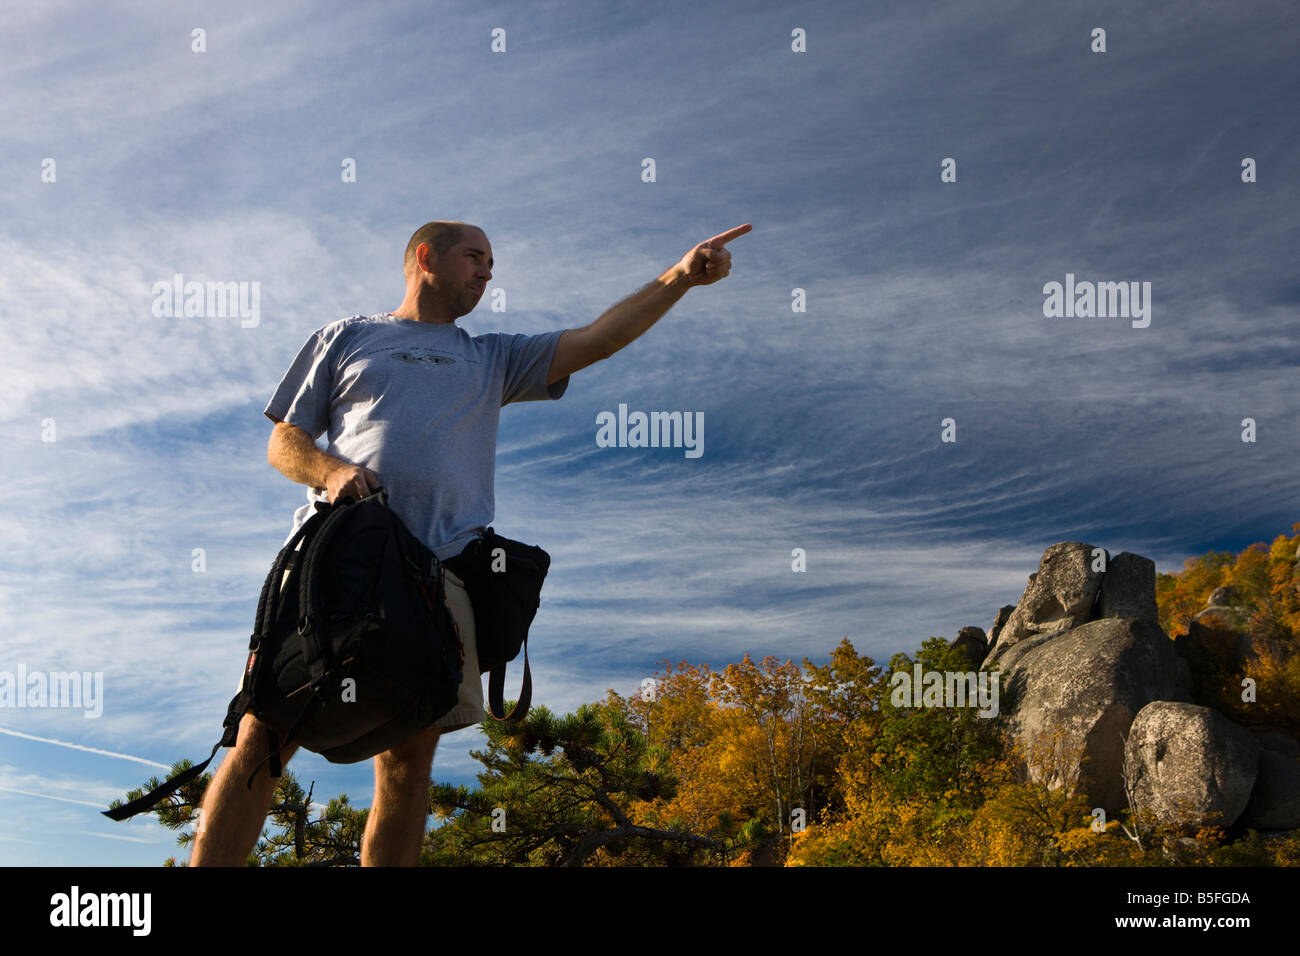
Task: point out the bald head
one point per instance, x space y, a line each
440 235
448 278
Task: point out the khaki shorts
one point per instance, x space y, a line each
469 708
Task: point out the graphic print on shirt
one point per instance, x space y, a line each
372 372
424 357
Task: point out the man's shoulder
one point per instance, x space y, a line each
352 321
340 329
506 339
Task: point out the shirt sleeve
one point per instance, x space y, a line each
528 361
303 395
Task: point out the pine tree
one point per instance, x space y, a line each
561 792
295 839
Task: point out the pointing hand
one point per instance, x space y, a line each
709 261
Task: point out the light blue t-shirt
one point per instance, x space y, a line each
418 404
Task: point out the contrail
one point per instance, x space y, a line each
47 796
114 836
91 750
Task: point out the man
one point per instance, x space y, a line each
410 400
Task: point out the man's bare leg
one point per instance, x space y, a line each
233 815
397 820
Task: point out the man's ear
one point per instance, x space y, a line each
430 257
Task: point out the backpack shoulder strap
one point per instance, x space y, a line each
312 622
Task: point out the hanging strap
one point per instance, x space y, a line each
273 752
165 790
496 690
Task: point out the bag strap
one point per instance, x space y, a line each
273 752
312 622
496 690
268 605
160 792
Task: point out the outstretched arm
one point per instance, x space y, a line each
705 264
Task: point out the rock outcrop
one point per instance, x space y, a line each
1000 621
1128 588
1059 596
1189 765
1070 698
971 642
1092 691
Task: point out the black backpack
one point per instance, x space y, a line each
353 648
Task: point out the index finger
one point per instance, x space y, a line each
720 240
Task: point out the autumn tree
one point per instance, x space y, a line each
1182 595
845 695
753 747
912 776
768 717
1267 582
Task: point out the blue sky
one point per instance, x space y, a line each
924 302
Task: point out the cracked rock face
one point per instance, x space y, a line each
1188 765
1128 589
1060 595
1069 699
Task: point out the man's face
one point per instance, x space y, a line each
464 271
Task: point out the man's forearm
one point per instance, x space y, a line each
626 320
292 453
